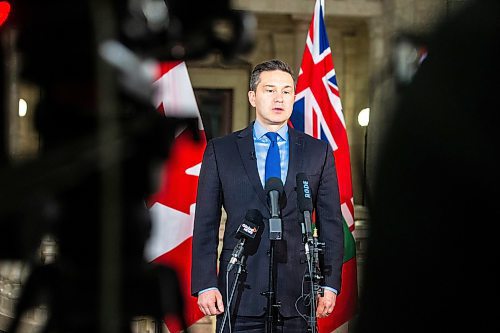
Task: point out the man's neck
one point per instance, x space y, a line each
271 127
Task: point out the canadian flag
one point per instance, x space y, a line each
172 207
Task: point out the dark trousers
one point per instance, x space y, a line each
258 325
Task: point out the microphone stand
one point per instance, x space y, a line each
274 189
270 292
312 247
312 250
272 306
241 268
275 234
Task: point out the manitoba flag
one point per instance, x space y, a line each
318 112
172 207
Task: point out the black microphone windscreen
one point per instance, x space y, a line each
251 225
303 193
274 184
253 215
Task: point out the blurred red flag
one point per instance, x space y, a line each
4 11
172 207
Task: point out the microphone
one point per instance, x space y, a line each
247 230
304 202
274 189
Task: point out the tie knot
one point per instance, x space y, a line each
273 136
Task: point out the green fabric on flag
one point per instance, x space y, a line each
349 244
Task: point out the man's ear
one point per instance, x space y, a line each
251 97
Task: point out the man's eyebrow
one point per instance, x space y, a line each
274 86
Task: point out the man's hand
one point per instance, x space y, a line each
210 303
326 304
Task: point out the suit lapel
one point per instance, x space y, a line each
247 154
296 147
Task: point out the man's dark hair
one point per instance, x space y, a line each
269 65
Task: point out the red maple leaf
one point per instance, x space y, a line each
178 189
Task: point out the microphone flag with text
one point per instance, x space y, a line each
247 230
304 202
274 190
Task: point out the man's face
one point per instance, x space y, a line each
273 98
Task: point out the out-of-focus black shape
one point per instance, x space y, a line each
192 30
433 243
409 50
153 289
60 193
59 34
3 114
64 191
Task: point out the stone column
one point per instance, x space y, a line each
301 25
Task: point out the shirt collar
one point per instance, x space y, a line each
260 131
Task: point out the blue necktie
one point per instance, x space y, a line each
273 168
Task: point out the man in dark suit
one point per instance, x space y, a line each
233 176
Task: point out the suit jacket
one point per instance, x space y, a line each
229 178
